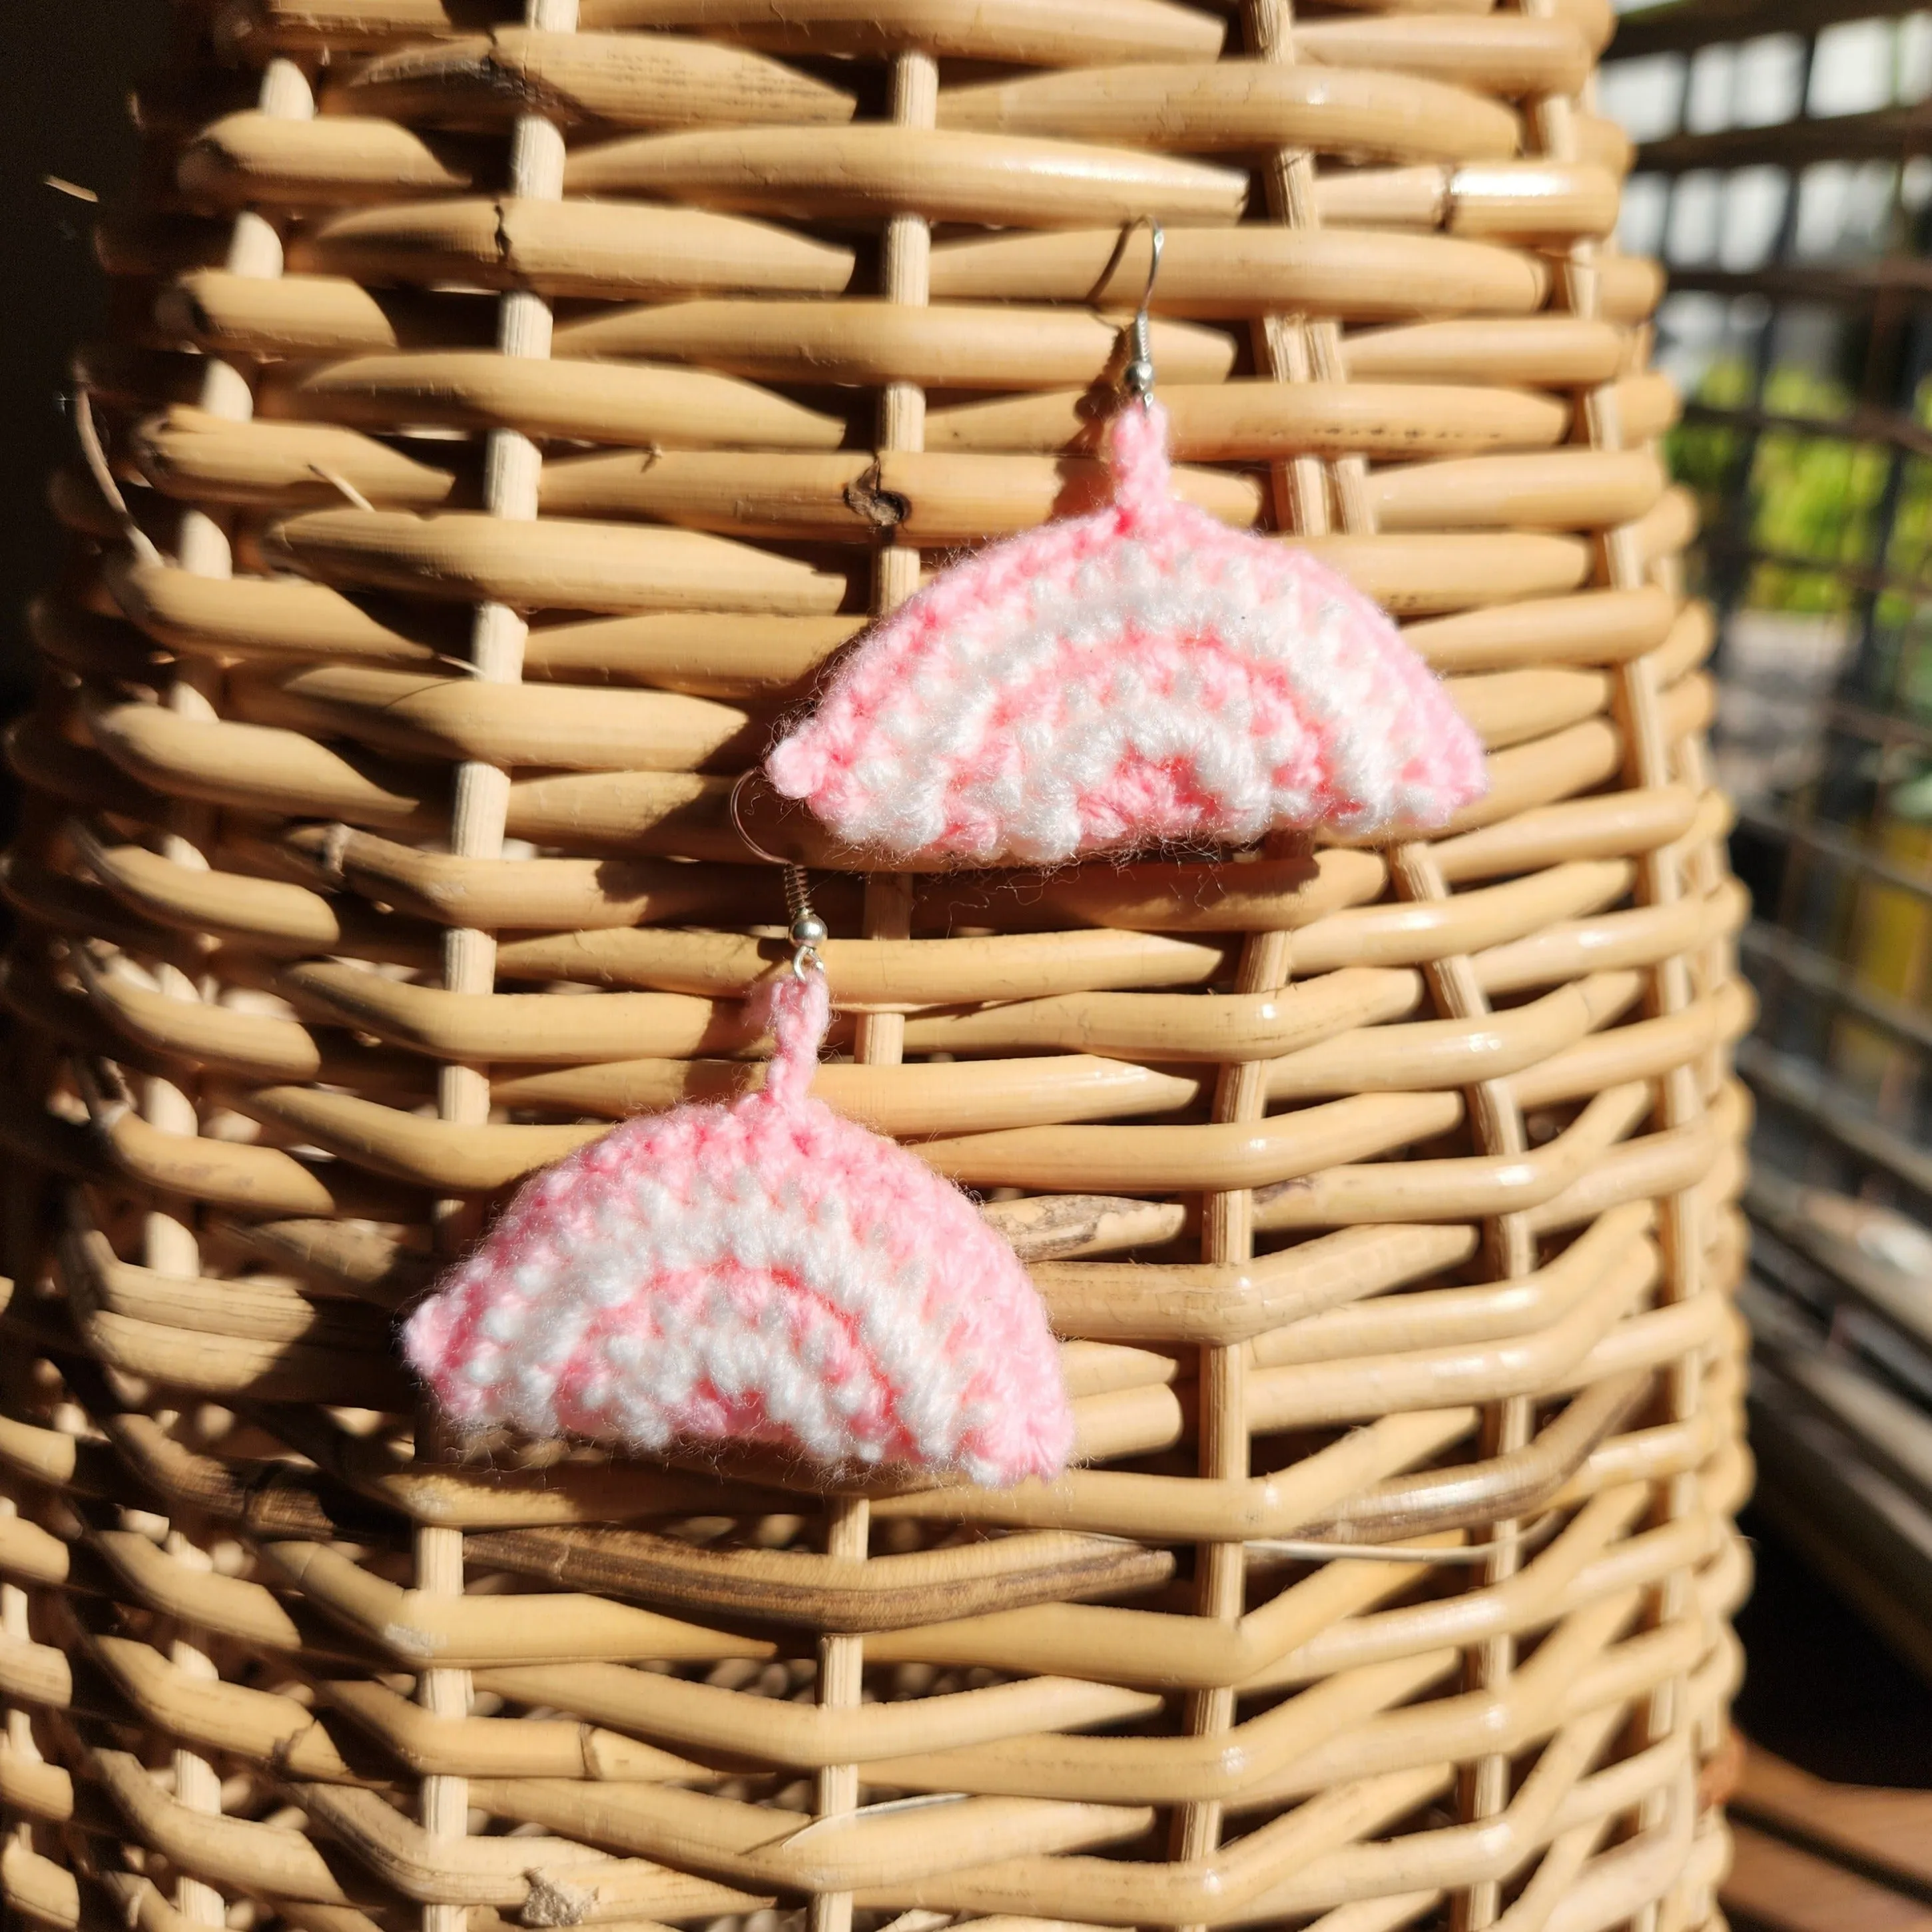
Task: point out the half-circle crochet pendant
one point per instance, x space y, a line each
759 1270
1140 674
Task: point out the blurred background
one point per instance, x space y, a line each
64 134
1783 174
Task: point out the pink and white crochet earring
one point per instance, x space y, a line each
761 1271
1139 675
765 1271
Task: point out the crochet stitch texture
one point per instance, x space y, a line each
1142 674
758 1270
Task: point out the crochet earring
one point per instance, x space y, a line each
760 1271
1141 675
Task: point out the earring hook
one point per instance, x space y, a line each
1137 378
738 823
808 931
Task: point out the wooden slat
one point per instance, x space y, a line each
1889 1831
1880 135
1776 1886
1688 25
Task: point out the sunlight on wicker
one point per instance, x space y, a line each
510 413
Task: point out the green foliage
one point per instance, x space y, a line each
1811 497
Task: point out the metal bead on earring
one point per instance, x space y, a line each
807 934
808 931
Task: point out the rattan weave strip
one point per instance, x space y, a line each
507 412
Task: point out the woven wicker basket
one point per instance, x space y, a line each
505 422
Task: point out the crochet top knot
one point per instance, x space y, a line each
1137 450
795 1010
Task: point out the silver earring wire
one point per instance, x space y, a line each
807 931
1137 378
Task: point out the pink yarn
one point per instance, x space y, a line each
764 1270
1142 674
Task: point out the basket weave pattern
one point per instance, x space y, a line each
509 413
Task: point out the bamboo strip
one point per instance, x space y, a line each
864 341
868 171
578 247
1414 1266
1229 422
965 29
472 389
1238 104
629 80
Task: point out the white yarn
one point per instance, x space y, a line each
599 1268
943 718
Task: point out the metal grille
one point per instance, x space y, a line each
1785 173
